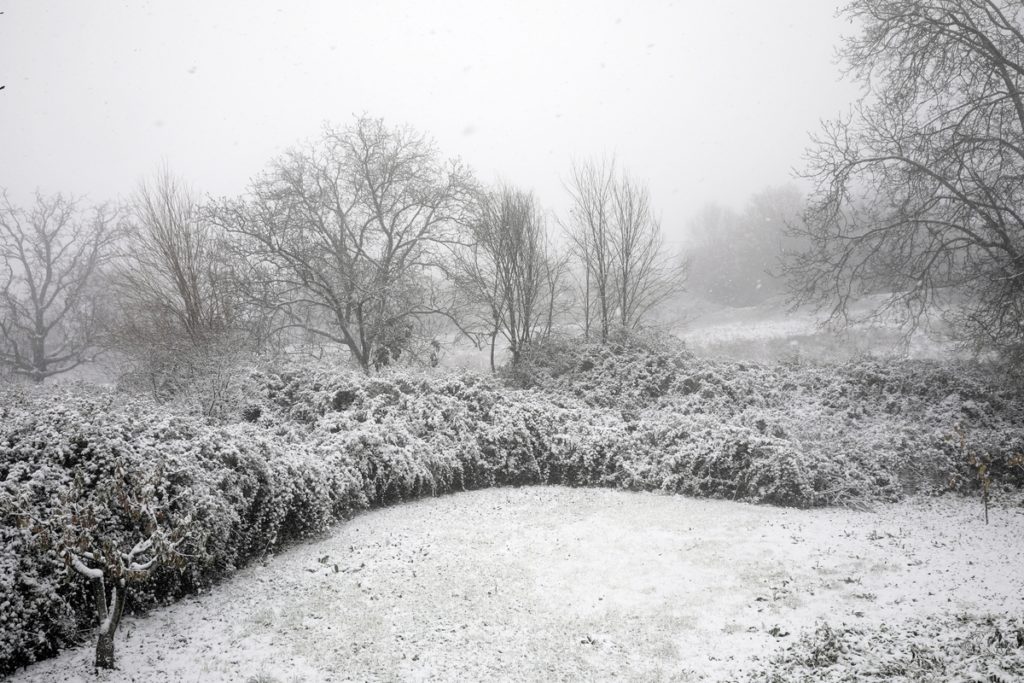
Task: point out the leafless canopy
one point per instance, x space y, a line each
619 247
178 320
646 274
344 238
173 285
919 192
509 271
49 257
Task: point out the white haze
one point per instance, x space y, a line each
708 101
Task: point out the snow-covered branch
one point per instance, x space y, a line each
83 569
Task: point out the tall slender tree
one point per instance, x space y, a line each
591 187
646 274
623 267
509 271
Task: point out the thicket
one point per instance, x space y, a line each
314 446
945 648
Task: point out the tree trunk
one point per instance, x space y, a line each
494 337
105 650
109 623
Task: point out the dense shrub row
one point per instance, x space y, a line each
891 425
629 369
313 446
244 491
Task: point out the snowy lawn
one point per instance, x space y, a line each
552 583
771 331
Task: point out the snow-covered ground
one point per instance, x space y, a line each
771 331
553 583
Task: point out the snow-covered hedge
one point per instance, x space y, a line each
632 368
243 489
314 446
872 427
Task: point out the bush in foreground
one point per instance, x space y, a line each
313 446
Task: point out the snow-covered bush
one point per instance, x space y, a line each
112 529
310 446
633 368
89 479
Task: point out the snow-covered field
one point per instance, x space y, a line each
553 583
766 332
771 331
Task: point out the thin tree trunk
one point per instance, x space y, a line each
109 623
586 303
494 337
105 636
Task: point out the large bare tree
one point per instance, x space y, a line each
509 270
919 192
624 268
50 256
346 238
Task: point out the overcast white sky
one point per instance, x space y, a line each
707 100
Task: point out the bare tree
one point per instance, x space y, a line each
618 243
919 191
591 188
50 255
509 269
646 273
345 238
170 268
178 315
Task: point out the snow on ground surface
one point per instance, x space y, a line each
771 331
549 583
